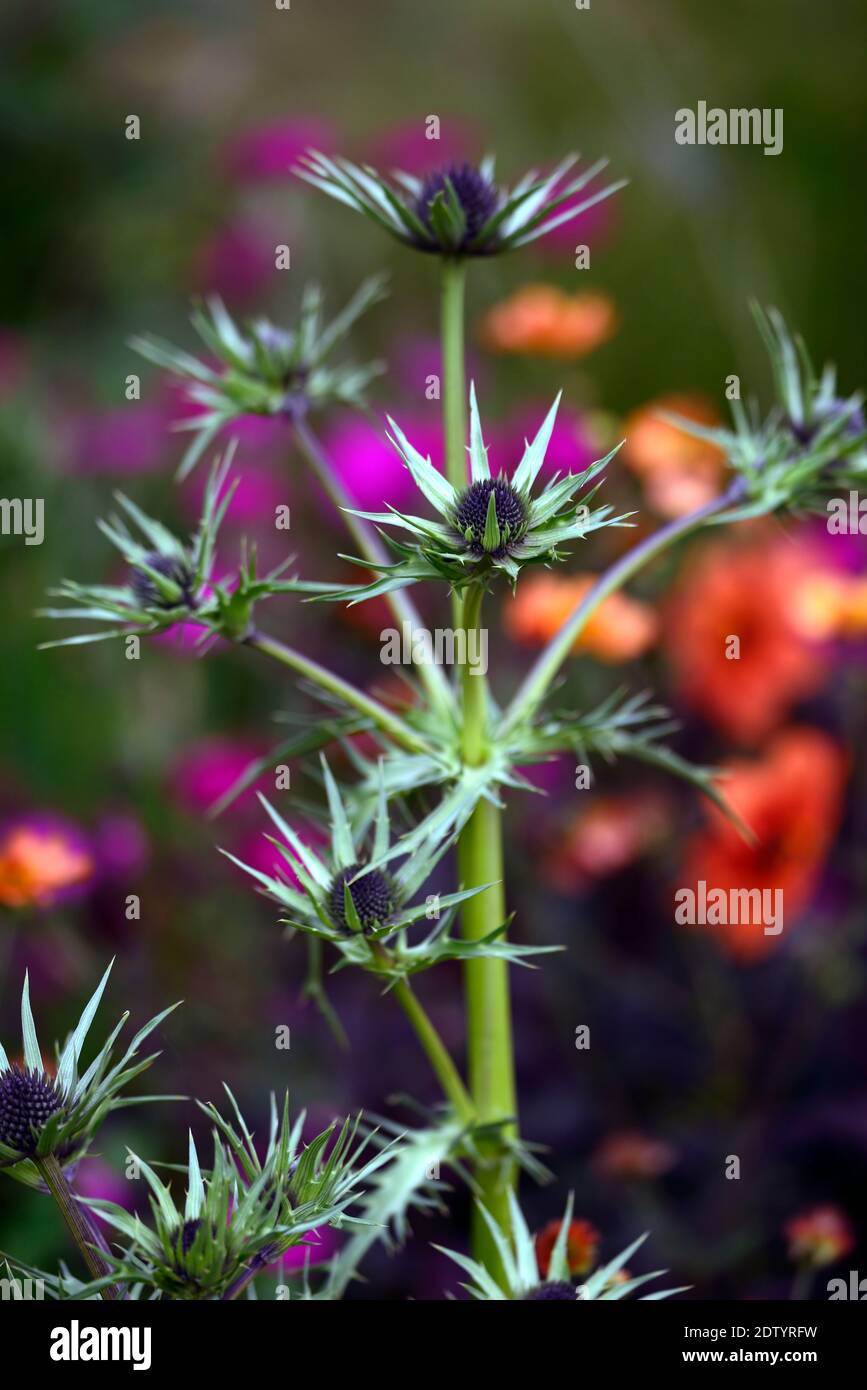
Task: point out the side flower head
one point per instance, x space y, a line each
262 369
459 210
810 449
494 524
360 896
243 1214
170 581
46 1112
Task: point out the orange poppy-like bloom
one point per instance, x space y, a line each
621 628
819 1237
677 471
602 838
791 798
629 1154
544 321
36 865
738 653
582 1244
828 605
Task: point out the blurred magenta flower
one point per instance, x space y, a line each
319 1245
94 1178
121 846
269 151
238 262
406 146
208 769
128 439
573 446
370 467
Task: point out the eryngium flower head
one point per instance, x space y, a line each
493 525
263 369
359 895
557 1289
807 452
459 210
27 1101
246 1212
521 1280
163 581
170 582
372 896
46 1114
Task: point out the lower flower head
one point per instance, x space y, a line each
372 897
177 589
476 195
27 1102
557 1289
474 514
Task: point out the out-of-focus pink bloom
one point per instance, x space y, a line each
258 491
209 769
371 469
44 860
269 151
319 1245
94 1178
255 849
572 447
407 147
629 1154
603 838
128 439
121 846
594 228
238 262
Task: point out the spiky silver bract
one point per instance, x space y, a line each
460 210
47 1112
263 369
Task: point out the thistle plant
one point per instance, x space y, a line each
443 771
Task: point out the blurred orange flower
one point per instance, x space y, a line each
544 321
819 1237
603 837
582 1244
629 1154
37 864
791 798
747 592
829 605
677 471
620 629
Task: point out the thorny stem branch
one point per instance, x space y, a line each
538 680
435 1050
370 546
80 1228
384 718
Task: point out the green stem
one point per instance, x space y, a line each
446 1072
83 1233
488 1004
536 683
454 386
390 723
454 381
370 546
